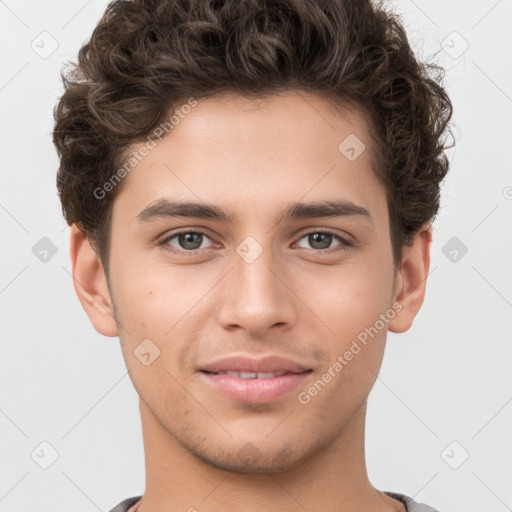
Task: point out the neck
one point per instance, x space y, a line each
334 480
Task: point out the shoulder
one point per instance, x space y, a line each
411 505
126 504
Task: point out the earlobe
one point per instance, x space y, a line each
411 279
90 283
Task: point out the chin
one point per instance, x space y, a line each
250 459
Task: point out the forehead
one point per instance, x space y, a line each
256 152
243 122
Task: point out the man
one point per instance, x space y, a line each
250 187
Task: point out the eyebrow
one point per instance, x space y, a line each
165 208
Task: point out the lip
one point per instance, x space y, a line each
256 391
268 363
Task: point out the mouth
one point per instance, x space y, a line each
254 387
252 375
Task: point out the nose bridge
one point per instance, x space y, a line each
257 297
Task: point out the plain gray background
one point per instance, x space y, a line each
445 389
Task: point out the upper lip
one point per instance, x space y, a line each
248 364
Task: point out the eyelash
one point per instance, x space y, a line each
345 244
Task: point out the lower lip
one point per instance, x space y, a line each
256 391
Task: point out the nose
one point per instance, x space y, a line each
256 296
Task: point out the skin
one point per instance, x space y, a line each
295 300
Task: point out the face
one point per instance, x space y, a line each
189 291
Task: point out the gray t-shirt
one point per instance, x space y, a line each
410 504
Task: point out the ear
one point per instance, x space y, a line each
411 279
90 283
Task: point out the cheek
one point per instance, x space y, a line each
349 298
160 305
151 300
350 303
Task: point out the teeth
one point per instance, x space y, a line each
252 375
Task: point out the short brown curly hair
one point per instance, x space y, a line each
146 56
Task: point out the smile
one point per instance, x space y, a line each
254 387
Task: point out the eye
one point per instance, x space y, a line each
188 241
321 240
